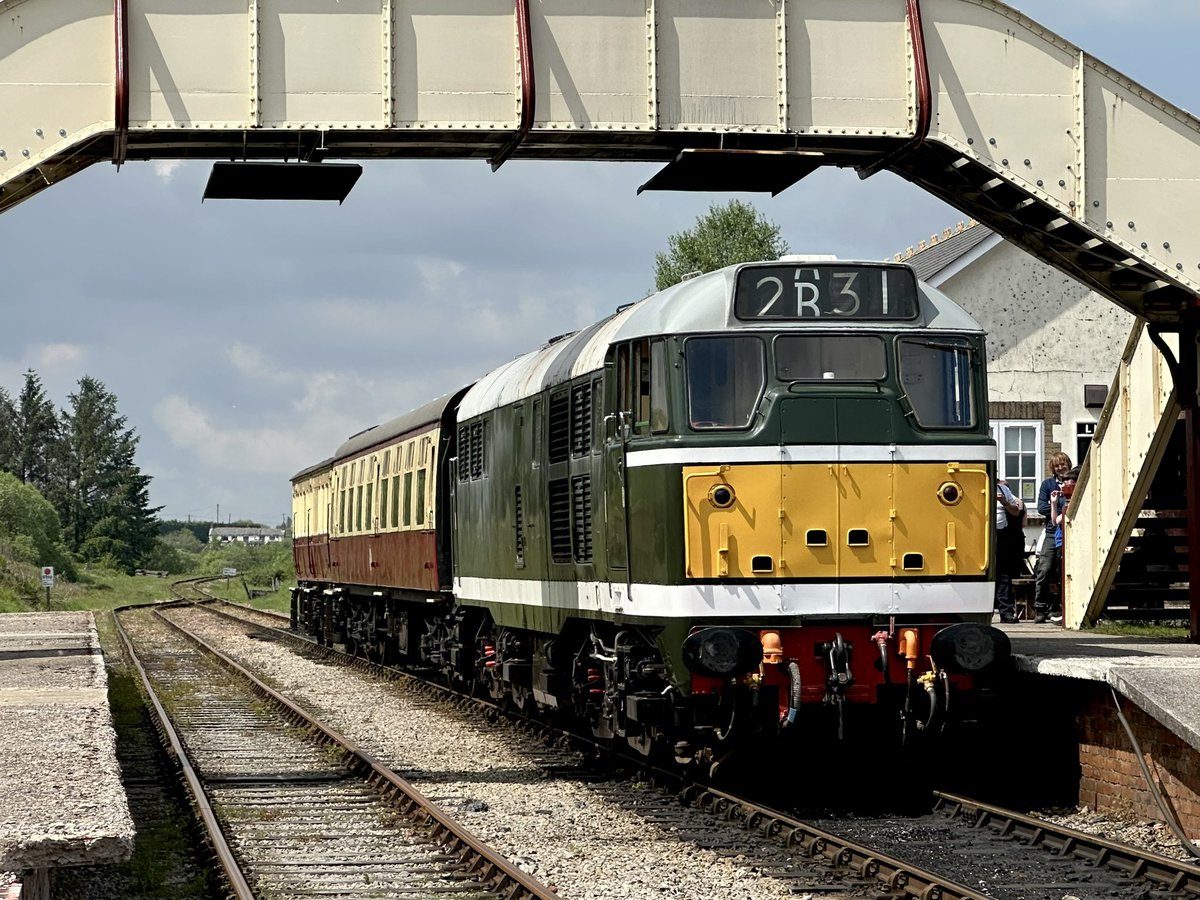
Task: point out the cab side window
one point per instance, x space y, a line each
642 382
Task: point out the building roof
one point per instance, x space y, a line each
932 256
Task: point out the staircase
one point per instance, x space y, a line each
1125 544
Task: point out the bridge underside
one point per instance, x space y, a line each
969 99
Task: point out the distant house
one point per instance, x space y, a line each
1053 345
239 535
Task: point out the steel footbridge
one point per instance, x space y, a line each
969 99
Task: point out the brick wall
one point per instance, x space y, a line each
1110 778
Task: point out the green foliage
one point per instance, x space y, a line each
104 497
181 539
260 564
34 436
29 528
729 234
198 529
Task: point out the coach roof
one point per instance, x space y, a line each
423 418
698 305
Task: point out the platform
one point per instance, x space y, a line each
1158 675
63 803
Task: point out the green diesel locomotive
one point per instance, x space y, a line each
764 492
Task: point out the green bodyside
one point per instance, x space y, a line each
516 455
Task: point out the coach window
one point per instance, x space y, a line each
383 502
420 496
725 378
395 501
370 507
938 378
358 500
407 499
341 510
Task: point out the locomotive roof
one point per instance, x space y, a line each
698 305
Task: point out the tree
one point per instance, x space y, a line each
106 509
36 434
8 433
733 233
29 527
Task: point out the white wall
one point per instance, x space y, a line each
1048 335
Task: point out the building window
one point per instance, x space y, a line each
1085 433
1019 456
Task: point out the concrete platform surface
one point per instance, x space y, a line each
1159 675
61 798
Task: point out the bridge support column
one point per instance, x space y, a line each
1189 372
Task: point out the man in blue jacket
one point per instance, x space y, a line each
1046 570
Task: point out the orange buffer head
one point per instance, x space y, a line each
910 646
772 647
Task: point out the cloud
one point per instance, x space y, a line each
166 168
262 449
48 355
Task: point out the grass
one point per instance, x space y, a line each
1143 629
104 590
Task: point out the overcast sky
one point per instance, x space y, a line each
245 341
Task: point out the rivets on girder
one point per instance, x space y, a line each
1027 162
1040 182
25 152
1061 183
1004 162
970 140
3 154
1131 225
1108 224
1096 204
38 132
1166 245
62 132
1071 204
992 141
1145 246
1179 266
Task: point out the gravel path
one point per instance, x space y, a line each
568 833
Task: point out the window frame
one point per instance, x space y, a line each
951 341
762 387
999 429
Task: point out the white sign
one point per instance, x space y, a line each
47 576
228 573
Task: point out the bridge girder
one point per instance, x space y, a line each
1026 132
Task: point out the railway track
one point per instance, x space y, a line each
979 850
292 808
